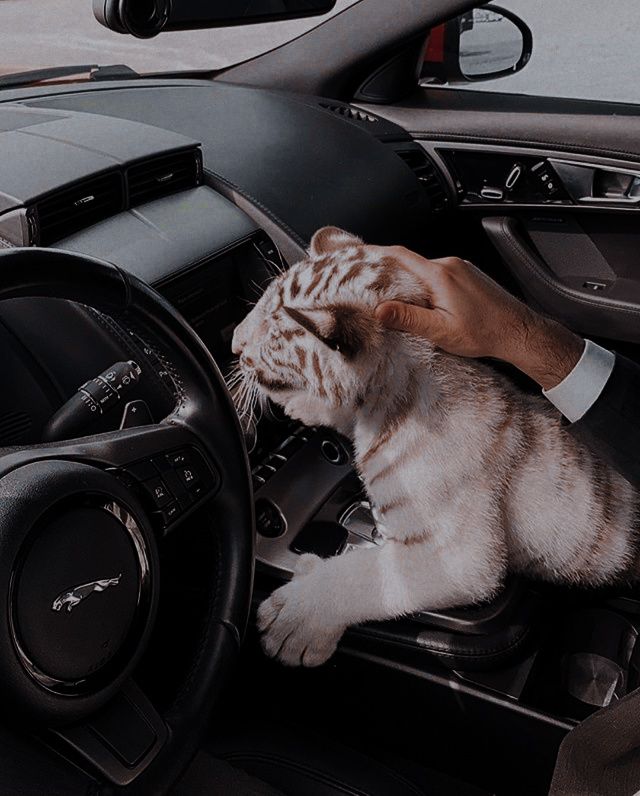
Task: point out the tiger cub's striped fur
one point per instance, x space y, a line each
470 477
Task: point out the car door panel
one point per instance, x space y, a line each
573 249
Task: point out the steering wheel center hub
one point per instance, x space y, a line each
77 593
78 573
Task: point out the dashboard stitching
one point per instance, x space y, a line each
269 213
485 139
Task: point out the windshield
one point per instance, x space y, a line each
43 33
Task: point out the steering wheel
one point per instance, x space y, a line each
79 562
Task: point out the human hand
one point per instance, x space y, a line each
472 316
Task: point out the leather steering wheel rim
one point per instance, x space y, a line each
205 412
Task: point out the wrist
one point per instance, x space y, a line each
547 352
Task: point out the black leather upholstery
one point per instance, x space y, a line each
283 760
473 638
271 147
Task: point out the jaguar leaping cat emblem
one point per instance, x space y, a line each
69 599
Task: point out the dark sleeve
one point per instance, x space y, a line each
611 427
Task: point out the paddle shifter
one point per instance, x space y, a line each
93 399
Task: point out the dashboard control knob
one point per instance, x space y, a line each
333 452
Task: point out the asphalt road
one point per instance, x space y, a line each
41 33
582 48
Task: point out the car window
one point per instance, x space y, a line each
583 49
36 34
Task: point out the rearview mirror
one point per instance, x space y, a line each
481 44
147 18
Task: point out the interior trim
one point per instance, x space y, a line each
588 314
289 243
433 147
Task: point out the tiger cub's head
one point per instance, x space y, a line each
312 343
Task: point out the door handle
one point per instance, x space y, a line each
588 183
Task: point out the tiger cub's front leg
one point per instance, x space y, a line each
302 622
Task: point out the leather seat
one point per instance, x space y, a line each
269 760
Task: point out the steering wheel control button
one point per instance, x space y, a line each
136 413
188 476
92 399
175 482
177 459
157 490
170 513
107 388
270 521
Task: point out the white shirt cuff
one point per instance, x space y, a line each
578 391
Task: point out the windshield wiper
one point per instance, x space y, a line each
95 72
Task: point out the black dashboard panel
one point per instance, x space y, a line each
161 239
274 147
43 151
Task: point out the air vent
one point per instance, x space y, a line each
163 175
425 170
70 209
348 112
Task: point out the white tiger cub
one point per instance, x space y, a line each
470 476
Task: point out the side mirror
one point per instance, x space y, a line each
482 44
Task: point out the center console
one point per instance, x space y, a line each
546 656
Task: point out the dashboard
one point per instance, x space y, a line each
203 191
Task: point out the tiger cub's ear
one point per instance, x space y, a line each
331 239
341 327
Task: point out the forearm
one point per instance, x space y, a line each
541 348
